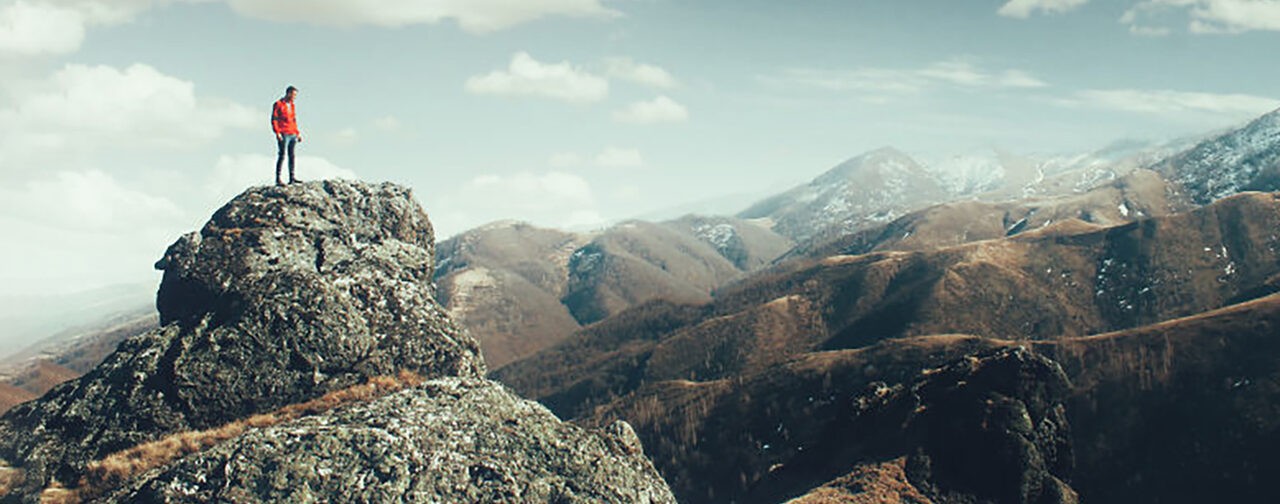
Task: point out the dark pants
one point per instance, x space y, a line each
285 145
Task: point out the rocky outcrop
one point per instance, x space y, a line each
288 293
448 440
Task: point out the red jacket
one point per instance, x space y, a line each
283 120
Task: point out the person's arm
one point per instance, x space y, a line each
275 118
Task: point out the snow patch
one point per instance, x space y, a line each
585 260
969 174
718 235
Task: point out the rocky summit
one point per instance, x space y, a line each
288 294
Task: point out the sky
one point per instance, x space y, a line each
125 123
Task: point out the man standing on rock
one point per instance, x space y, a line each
285 123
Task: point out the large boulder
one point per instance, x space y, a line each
286 294
448 440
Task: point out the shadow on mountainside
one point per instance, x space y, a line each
747 398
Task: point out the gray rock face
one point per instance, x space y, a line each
448 440
286 294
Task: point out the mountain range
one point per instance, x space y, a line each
1141 288
989 328
505 280
519 288
689 377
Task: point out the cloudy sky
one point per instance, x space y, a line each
124 123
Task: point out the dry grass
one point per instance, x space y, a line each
118 468
57 494
230 234
874 483
11 396
10 478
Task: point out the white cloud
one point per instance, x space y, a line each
346 137
87 201
1023 9
874 80
649 75
615 157
89 228
475 16
565 160
1173 103
46 27
554 198
84 107
629 193
52 260
609 157
1235 16
1149 31
28 29
1206 16
527 188
1018 79
877 85
964 73
658 110
388 124
72 230
526 76
109 12
37 27
234 173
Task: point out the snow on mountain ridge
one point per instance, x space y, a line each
969 173
718 235
1242 159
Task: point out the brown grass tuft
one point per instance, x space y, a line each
57 494
118 468
10 478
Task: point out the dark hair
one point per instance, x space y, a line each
288 89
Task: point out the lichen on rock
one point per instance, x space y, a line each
448 440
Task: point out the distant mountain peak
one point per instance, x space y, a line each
885 161
1243 159
873 187
503 224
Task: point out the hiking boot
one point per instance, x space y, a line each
279 183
